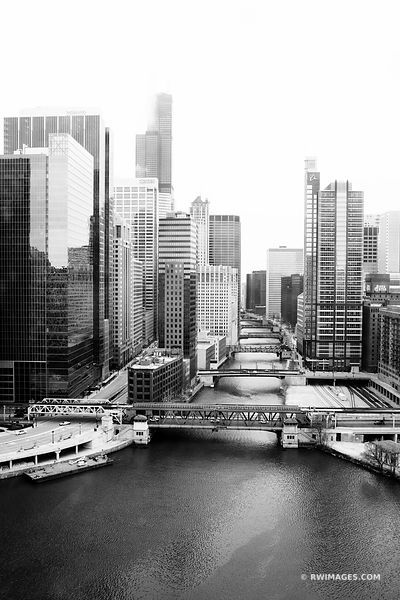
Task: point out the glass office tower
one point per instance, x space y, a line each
88 130
281 262
46 272
23 266
225 245
154 148
69 308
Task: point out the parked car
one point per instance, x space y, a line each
63 423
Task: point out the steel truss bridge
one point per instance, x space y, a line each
215 416
55 409
222 416
264 334
256 325
240 348
280 373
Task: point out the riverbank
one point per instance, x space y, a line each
99 446
354 452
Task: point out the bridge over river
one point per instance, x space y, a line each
294 425
210 377
222 416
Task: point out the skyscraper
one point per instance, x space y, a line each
177 320
308 329
46 271
291 288
88 130
333 278
123 293
225 245
389 242
137 203
281 262
217 301
370 249
154 148
389 356
256 291
199 209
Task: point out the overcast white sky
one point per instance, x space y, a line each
257 85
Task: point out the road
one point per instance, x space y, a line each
116 390
46 432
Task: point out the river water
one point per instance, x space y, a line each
202 515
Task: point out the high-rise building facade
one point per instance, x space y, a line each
225 245
137 306
389 242
256 290
281 262
199 209
166 204
371 335
389 356
137 203
23 277
383 288
308 330
335 310
370 249
154 148
123 293
177 280
46 272
217 301
89 131
291 288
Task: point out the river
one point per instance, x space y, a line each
202 515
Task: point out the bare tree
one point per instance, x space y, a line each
319 427
375 454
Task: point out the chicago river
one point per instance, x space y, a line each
200 515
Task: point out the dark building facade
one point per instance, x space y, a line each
23 266
371 336
291 288
370 248
88 130
156 378
255 290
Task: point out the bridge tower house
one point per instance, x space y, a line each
289 437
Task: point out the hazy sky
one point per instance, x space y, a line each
257 86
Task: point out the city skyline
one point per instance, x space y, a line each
201 79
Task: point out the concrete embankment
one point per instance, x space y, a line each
359 461
99 446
